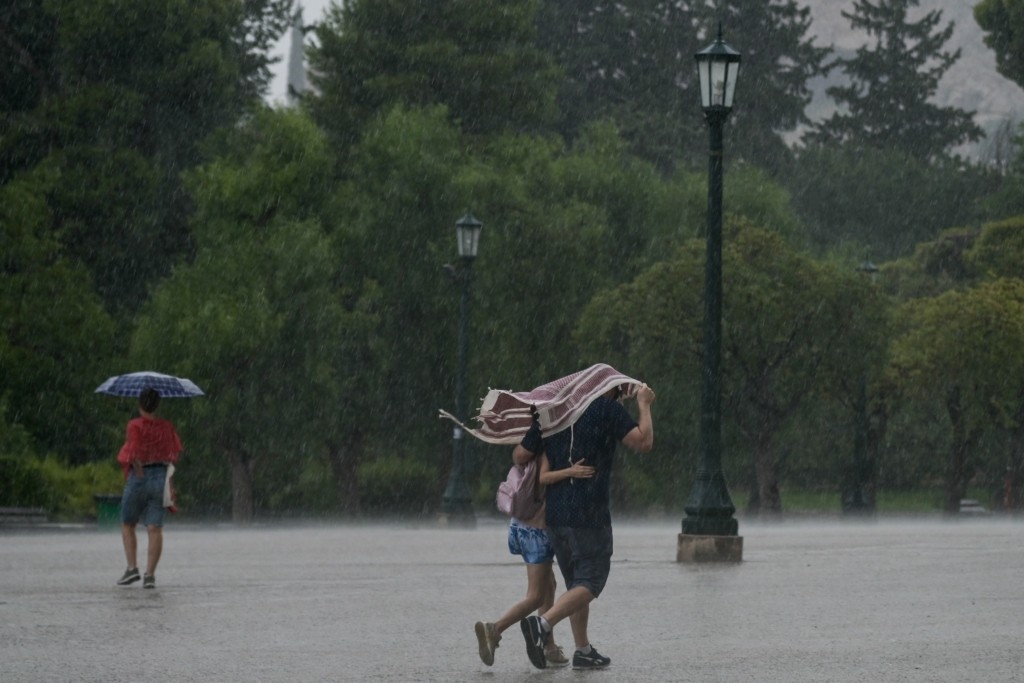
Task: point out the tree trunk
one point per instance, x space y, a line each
1013 500
958 474
877 428
344 459
754 499
769 498
1013 482
243 504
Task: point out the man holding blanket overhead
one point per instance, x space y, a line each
579 420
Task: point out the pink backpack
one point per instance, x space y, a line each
519 495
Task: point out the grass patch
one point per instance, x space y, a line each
810 501
923 501
909 501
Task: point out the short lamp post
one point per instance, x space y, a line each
856 497
709 529
456 505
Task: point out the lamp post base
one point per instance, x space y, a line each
693 549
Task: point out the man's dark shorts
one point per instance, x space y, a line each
584 556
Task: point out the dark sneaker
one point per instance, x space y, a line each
592 661
130 577
535 637
488 641
149 581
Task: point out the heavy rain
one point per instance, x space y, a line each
335 223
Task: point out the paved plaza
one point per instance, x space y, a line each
812 601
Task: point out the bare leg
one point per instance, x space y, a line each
131 544
538 582
549 593
156 547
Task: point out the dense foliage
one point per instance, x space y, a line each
296 263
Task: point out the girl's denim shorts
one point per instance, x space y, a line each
533 544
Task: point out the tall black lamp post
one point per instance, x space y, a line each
456 506
709 509
857 499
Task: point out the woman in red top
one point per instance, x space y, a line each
150 445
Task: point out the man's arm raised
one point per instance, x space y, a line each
641 437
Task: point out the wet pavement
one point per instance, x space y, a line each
832 601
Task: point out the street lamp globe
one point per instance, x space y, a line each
467 232
718 66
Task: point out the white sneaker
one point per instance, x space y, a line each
555 656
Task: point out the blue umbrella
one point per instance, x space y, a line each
133 383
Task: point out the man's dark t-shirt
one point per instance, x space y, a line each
583 503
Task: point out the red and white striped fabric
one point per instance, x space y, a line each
505 416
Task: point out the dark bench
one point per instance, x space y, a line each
12 516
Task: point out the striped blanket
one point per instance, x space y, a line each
505 416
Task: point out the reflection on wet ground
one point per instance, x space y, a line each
906 601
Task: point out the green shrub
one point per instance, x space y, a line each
23 483
66 493
484 503
395 485
642 490
81 483
312 492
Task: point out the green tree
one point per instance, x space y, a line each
559 225
55 337
998 250
793 328
960 351
749 192
1003 24
958 258
478 58
886 104
883 202
28 50
632 62
393 224
626 63
118 96
1008 199
935 267
257 319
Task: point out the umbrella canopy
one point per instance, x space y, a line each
133 383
